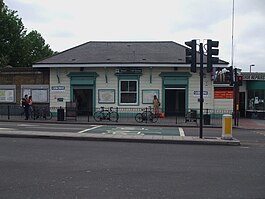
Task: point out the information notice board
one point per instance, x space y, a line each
223 93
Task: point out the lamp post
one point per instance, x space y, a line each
250 67
250 77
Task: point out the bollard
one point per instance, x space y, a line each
227 127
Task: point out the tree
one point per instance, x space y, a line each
34 48
17 48
11 32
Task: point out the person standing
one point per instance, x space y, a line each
30 106
156 105
26 107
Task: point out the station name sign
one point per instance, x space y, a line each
57 88
128 71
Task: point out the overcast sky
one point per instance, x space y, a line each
68 23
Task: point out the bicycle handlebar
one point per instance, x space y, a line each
103 108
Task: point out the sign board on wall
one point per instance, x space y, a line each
223 93
197 93
57 88
7 95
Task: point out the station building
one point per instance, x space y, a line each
128 75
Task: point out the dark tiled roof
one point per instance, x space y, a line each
165 52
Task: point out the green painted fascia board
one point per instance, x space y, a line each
253 85
82 82
83 74
175 82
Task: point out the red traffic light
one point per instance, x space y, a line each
239 80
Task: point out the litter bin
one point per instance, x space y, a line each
60 114
206 119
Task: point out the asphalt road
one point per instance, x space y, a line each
47 168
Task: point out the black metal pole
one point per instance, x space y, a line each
146 115
8 112
235 96
201 89
176 116
88 114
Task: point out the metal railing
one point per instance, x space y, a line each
189 117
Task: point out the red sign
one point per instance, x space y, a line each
223 94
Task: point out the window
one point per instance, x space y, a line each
128 92
256 99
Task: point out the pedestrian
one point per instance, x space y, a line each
30 105
26 107
156 105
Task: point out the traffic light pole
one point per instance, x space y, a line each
212 52
201 89
235 99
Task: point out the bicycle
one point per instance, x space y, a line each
146 115
40 113
106 114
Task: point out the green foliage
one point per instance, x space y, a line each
17 48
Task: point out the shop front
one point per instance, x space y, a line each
252 95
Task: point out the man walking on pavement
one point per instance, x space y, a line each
26 107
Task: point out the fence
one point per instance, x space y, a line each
190 117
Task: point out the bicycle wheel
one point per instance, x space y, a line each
153 117
35 114
48 115
139 117
32 114
97 116
114 116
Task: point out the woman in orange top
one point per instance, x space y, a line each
156 104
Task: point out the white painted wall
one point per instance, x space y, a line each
194 85
112 83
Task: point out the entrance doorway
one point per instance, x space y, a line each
175 101
84 100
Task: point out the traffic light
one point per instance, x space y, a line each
191 55
239 80
211 51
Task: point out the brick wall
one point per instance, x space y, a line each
23 76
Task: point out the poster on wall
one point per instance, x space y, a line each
106 96
148 96
224 93
26 91
40 95
7 95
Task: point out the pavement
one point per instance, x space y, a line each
243 124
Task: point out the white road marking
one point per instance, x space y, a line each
28 125
90 129
6 129
181 132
